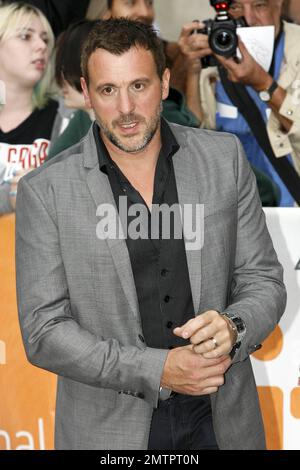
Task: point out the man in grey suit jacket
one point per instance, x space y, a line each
150 336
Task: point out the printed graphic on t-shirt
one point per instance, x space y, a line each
22 157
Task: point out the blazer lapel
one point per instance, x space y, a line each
101 193
188 193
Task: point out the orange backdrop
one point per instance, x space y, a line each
27 393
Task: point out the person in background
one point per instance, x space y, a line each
59 13
69 130
27 112
274 92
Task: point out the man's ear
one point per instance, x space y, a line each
85 93
165 84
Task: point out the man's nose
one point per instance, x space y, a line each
126 103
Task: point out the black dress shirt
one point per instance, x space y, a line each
159 265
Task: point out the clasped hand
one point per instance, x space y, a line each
209 333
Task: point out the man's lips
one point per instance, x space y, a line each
128 127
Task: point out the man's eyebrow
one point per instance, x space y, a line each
141 79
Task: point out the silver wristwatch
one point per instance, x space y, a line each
266 95
237 325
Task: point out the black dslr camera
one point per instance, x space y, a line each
221 31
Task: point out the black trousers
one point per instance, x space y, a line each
183 423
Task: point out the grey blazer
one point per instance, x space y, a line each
78 306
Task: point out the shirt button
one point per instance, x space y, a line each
141 338
164 272
290 112
167 299
169 324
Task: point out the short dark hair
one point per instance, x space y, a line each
68 53
117 36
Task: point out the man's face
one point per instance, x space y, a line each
258 12
141 10
125 93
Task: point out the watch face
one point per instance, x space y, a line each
264 96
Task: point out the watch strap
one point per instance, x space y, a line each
266 95
272 88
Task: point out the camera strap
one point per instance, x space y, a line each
249 110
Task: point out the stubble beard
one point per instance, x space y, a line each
149 132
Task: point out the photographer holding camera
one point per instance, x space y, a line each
241 97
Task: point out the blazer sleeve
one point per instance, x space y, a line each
53 339
257 294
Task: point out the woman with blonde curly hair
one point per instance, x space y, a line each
27 112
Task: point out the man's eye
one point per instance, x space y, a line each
139 86
108 90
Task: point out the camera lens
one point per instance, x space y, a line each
224 42
223 39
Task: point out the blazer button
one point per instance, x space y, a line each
141 338
254 348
